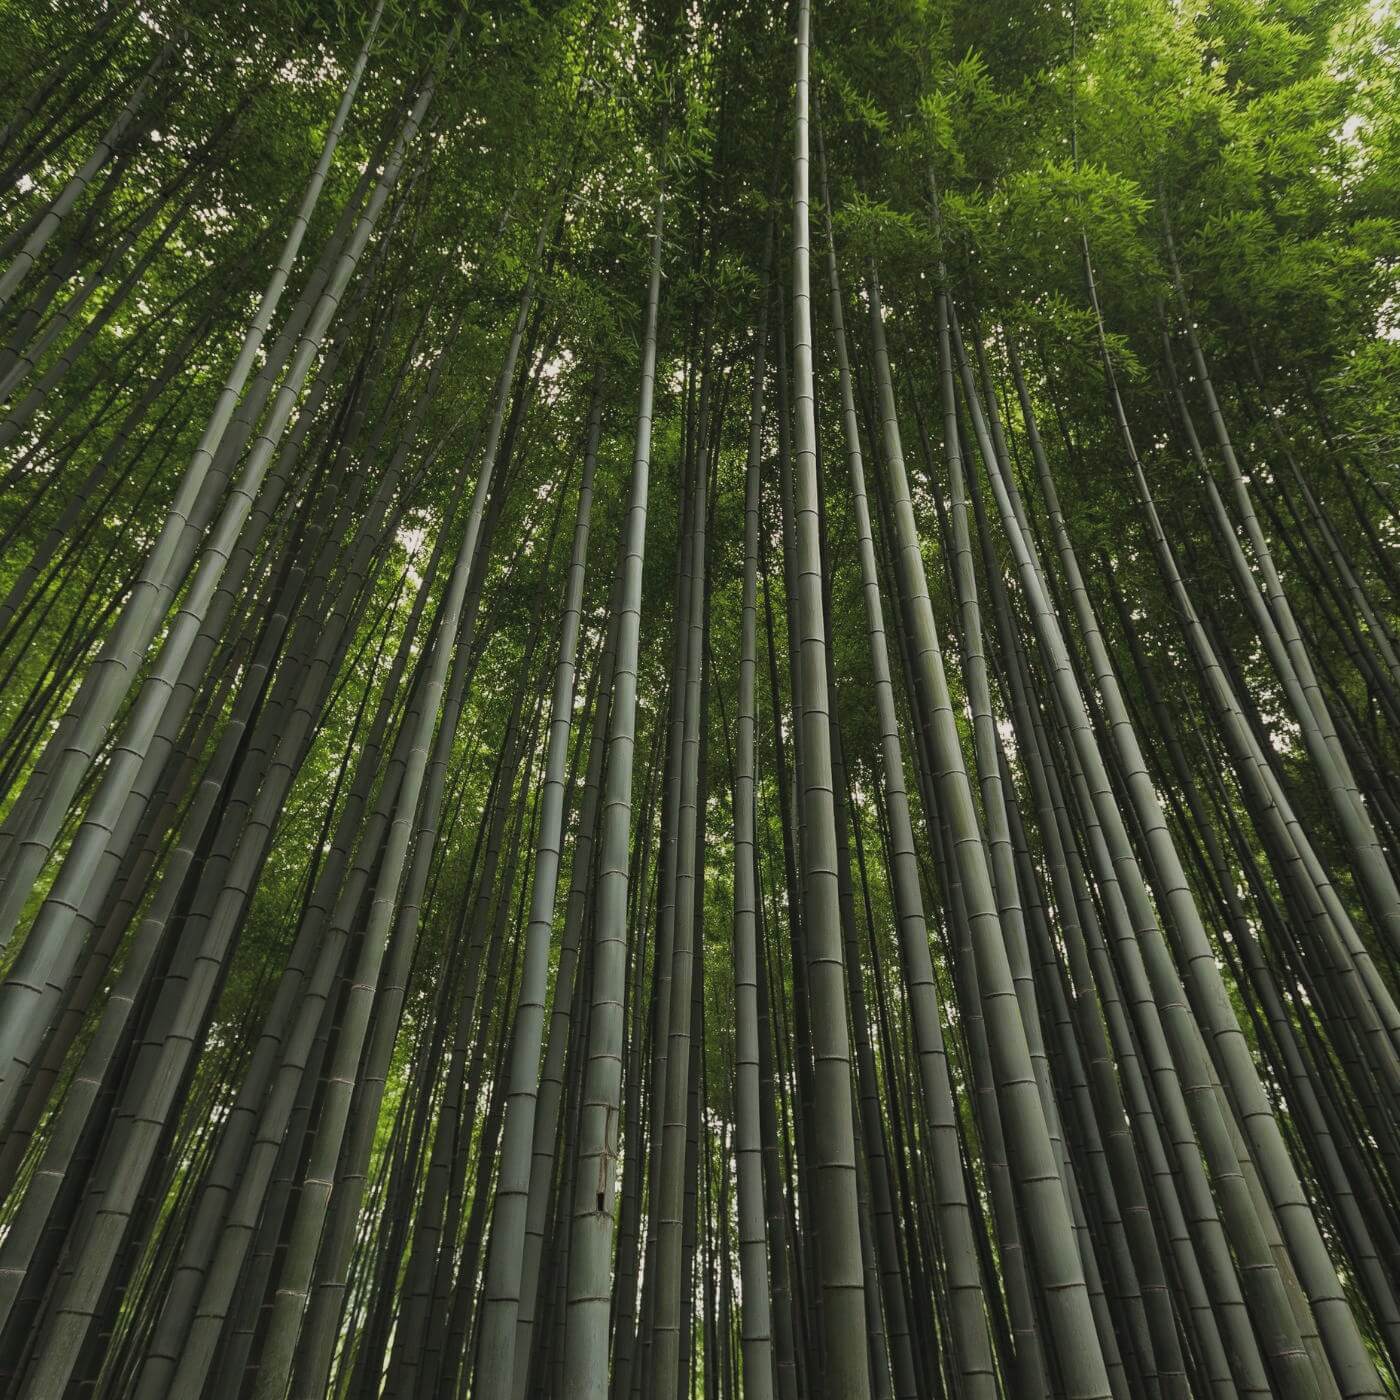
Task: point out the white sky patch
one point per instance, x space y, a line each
1388 320
558 366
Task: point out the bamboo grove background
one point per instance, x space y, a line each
699 700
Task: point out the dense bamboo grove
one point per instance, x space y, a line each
700 700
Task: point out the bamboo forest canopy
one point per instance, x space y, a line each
700 700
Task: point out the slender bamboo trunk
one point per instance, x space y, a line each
590 1240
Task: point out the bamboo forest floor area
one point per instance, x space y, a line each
699 701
